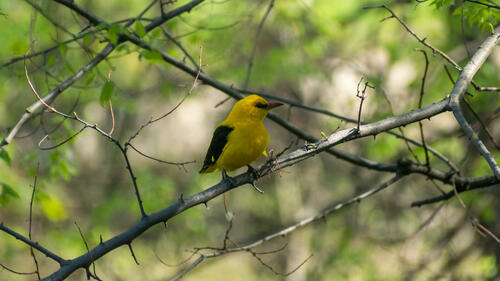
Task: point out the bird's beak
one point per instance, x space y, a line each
273 105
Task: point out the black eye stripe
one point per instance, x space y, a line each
261 105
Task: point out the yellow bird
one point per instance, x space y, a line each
241 138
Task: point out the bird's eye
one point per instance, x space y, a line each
261 105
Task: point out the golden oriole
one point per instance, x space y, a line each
241 138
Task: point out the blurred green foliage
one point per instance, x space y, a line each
312 51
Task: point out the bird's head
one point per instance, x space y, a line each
253 107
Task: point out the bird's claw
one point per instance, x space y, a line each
227 178
254 172
230 180
255 176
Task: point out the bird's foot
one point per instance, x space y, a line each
255 175
227 178
254 172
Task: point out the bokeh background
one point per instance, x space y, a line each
313 52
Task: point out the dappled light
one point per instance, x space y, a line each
362 143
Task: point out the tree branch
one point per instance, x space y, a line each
283 161
33 244
287 230
92 63
459 90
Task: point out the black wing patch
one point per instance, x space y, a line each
217 144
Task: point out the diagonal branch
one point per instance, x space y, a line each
468 184
33 244
459 90
434 49
283 161
348 120
319 216
50 97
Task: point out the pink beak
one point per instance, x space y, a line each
273 105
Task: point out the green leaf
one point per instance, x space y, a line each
441 3
53 208
139 29
106 92
7 194
5 156
63 48
153 56
101 26
490 27
87 39
90 79
51 60
69 67
113 33
123 47
156 33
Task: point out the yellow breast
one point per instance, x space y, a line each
245 144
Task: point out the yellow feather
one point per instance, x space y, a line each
248 140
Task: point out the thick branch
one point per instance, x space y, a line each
286 160
458 92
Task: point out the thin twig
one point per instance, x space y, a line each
32 87
226 235
199 260
123 149
112 118
484 4
33 244
94 61
31 220
361 94
88 250
273 270
248 247
159 160
473 219
61 143
255 40
18 272
132 253
463 29
222 102
177 264
152 120
434 49
400 129
483 125
179 45
134 181
45 51
321 215
421 97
